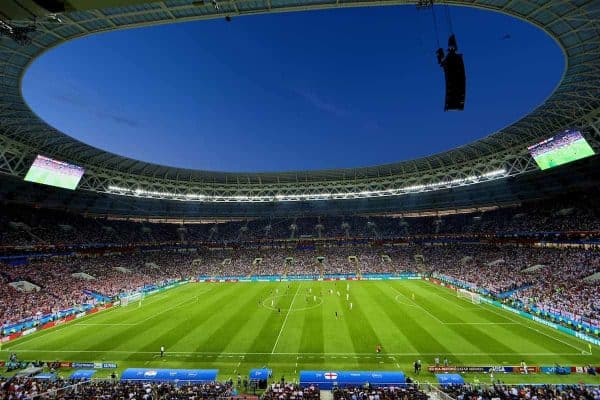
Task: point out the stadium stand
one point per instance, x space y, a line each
410 392
290 391
492 252
26 388
541 392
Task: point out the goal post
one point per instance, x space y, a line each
468 295
125 300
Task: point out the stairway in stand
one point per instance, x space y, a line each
326 395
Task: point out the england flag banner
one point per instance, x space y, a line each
327 380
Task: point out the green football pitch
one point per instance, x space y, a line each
293 326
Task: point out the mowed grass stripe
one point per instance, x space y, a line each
422 333
77 335
266 335
547 339
362 334
186 319
312 339
250 327
336 333
229 318
496 338
483 338
170 328
387 316
518 337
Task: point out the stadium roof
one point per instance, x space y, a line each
575 103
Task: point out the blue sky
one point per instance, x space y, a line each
310 90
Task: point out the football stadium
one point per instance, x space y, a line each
468 273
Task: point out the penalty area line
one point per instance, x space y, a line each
416 304
526 325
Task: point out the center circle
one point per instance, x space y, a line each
266 303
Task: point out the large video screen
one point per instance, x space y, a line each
560 149
51 172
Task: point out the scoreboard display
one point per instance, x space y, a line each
562 148
48 171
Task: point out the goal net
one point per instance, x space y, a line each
125 300
466 294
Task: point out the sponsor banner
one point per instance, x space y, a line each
169 375
51 324
94 365
450 379
65 364
328 379
582 336
279 278
258 374
502 369
83 365
472 369
48 325
550 324
28 331
556 370
105 365
530 370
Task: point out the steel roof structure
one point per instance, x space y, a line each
575 103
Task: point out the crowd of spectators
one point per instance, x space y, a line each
551 279
291 391
408 392
23 226
28 388
121 256
57 288
532 392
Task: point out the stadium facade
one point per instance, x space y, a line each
494 170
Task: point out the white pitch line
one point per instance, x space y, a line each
172 307
306 355
414 302
285 319
507 316
447 299
481 323
107 324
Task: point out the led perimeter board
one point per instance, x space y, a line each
562 148
51 172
